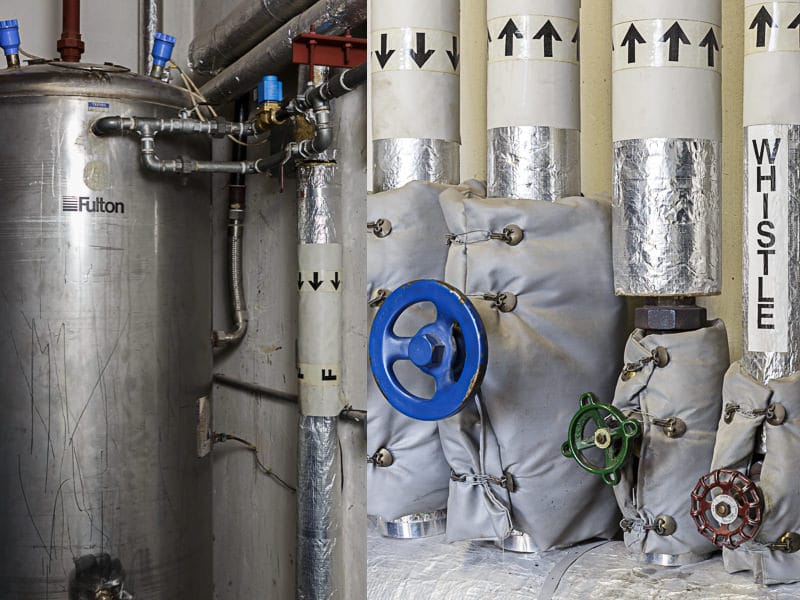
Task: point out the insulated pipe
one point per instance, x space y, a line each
149 24
533 99
237 193
666 131
274 53
246 25
319 375
771 279
415 92
70 45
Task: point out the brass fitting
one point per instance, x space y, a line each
266 116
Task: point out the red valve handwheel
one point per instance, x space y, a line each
726 508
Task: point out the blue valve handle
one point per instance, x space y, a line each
162 48
9 36
453 350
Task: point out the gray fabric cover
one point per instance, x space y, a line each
416 248
561 340
779 482
688 387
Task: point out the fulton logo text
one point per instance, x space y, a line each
91 205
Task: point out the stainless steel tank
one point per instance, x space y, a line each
105 323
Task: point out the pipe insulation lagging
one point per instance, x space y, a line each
533 99
666 130
415 69
771 256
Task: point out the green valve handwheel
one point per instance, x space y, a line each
601 430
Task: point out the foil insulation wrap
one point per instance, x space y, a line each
667 223
398 161
318 507
764 366
536 163
318 193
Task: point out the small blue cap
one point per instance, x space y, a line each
162 48
9 36
270 90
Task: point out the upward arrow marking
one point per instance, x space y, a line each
576 39
630 40
421 56
796 23
384 55
711 41
549 33
675 36
509 32
761 21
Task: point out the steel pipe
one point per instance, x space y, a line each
245 26
149 24
70 45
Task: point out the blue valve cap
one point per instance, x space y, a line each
162 48
270 90
9 36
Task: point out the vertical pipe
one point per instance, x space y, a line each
319 373
70 45
415 92
533 99
771 278
150 18
666 130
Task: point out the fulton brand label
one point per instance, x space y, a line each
772 27
91 204
666 43
415 49
534 37
767 220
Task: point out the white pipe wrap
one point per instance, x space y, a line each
771 258
666 130
415 66
533 99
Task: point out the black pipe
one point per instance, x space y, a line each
335 87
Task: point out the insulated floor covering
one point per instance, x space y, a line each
430 569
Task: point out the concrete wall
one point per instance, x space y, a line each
596 127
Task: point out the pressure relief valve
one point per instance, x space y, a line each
9 40
270 96
161 53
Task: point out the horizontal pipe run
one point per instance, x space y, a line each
335 87
217 127
237 384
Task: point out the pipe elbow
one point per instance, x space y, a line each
152 163
107 126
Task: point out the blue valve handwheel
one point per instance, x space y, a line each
453 350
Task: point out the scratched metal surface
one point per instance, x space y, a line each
104 349
434 570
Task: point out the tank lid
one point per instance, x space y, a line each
88 80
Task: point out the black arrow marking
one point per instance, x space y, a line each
711 41
762 20
630 40
576 39
384 54
420 55
675 36
300 374
489 35
549 33
316 282
299 280
454 56
336 281
327 375
796 23
509 32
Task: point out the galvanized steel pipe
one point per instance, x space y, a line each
246 25
667 128
415 66
149 25
771 278
533 99
275 52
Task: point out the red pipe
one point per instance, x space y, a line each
70 45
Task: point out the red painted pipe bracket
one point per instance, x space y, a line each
314 49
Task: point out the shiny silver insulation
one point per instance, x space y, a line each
249 22
763 366
537 163
319 491
398 161
330 17
318 190
105 345
667 227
